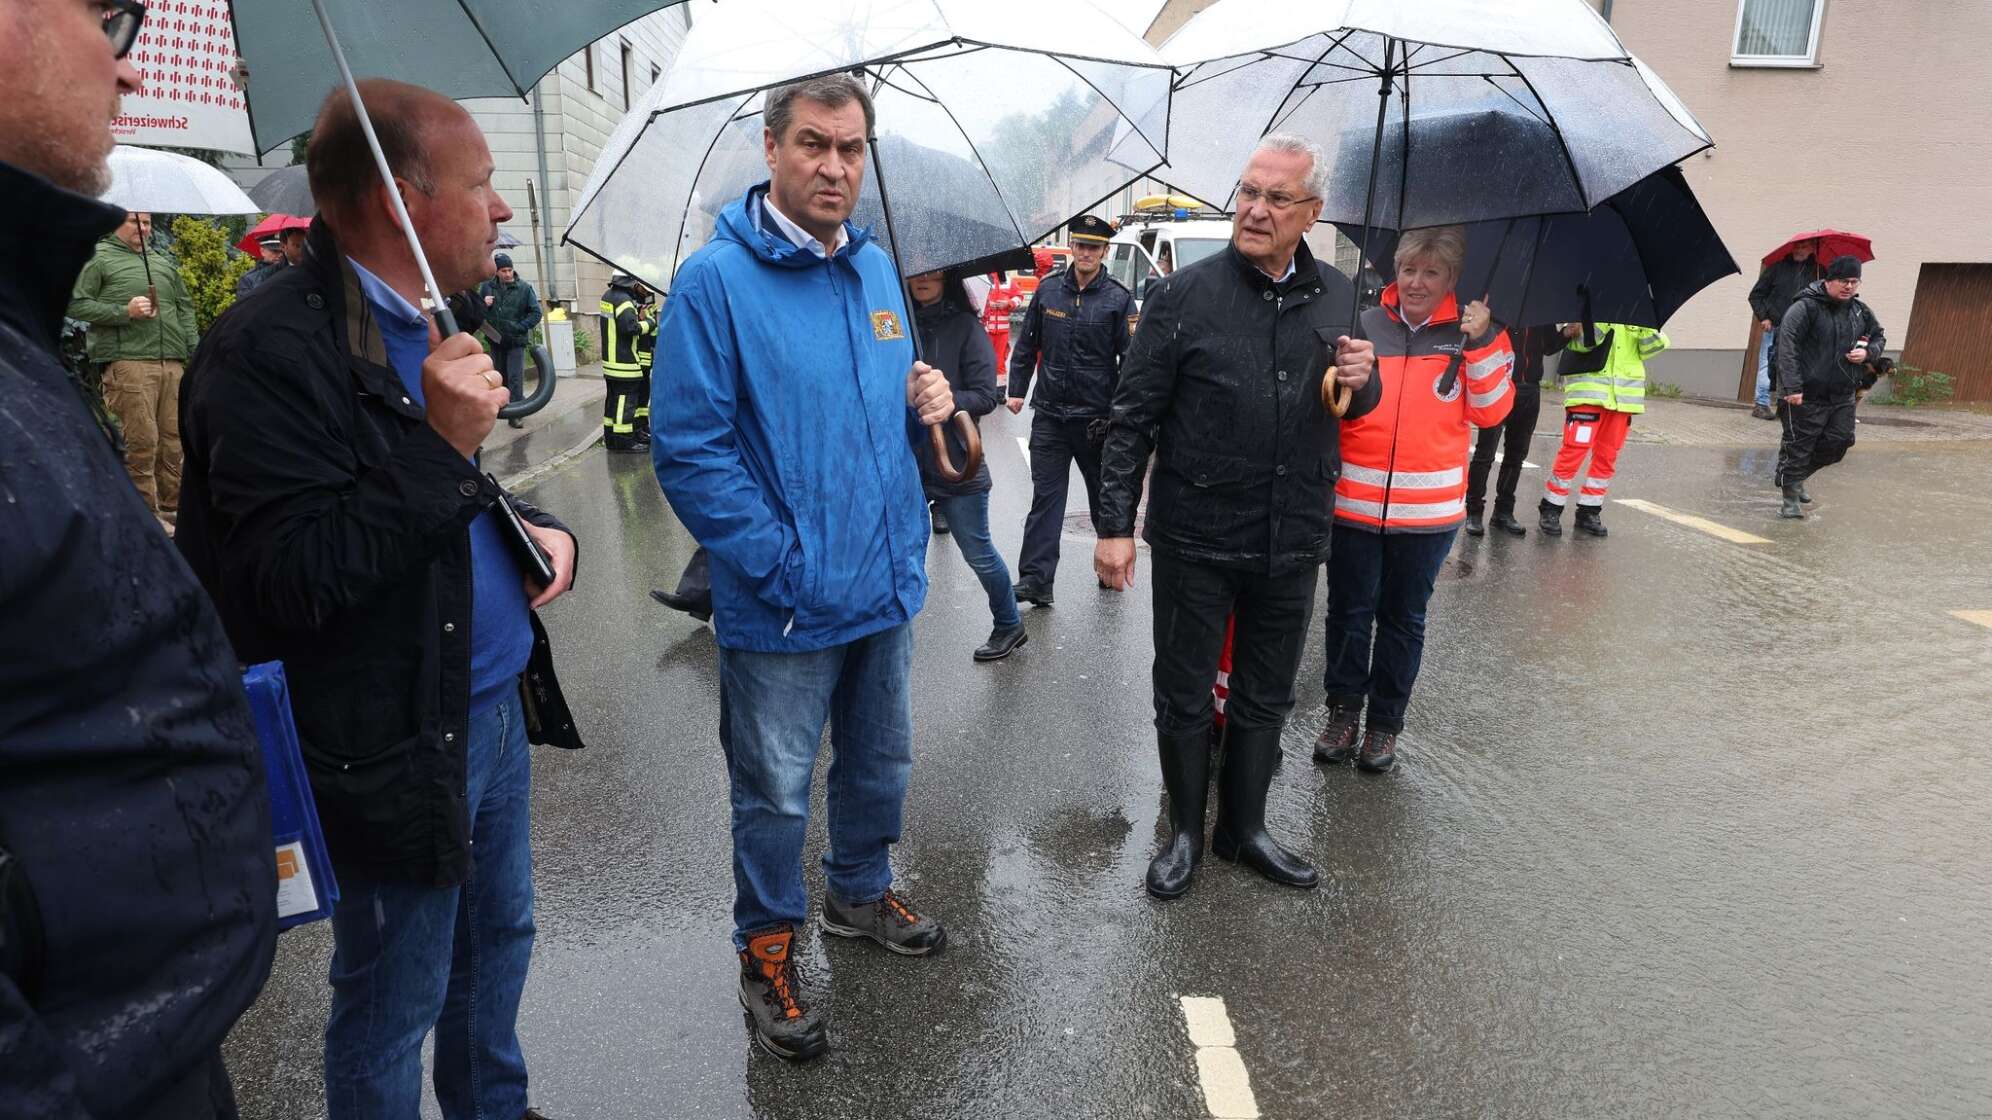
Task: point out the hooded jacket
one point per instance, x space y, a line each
955 343
1814 339
1223 385
1778 285
131 785
103 294
781 435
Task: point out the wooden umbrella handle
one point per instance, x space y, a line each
1335 396
970 436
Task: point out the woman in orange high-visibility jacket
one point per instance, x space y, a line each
1402 495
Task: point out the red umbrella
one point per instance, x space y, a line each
1833 244
272 226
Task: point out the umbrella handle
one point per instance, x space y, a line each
1335 396
971 462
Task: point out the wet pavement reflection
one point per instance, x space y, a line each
1681 827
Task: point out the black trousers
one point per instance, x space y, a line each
696 580
1192 603
1512 437
510 358
621 422
1817 434
1055 446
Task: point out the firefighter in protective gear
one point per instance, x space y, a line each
1599 401
624 328
646 353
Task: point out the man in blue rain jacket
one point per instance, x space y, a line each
784 413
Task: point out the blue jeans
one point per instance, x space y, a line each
772 708
968 523
409 958
1378 585
1764 359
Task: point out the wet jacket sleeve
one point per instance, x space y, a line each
309 538
1794 336
1488 367
529 312
1761 293
35 1084
1147 386
1649 341
1877 338
1024 350
88 304
183 308
697 451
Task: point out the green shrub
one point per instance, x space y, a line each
1666 389
209 267
1912 387
584 347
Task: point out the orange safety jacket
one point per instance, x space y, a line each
1404 462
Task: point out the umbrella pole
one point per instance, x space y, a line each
1333 394
971 438
445 321
1451 376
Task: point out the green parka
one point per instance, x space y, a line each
103 295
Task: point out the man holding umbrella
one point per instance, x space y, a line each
786 408
1224 386
141 333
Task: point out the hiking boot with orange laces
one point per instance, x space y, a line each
772 995
888 921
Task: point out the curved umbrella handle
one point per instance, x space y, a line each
1335 396
969 436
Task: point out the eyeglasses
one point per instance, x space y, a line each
122 19
1248 196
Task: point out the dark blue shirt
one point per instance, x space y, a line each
501 632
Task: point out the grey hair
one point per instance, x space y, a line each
832 90
1445 244
1316 181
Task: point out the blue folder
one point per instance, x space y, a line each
306 889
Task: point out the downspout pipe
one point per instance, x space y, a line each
545 200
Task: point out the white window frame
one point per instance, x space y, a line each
1809 60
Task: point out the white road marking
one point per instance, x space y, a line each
1024 445
1982 618
1220 1070
1722 532
1526 465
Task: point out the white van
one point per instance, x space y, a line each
1161 234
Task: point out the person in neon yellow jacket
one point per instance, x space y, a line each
1604 387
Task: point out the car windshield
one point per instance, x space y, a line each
1190 250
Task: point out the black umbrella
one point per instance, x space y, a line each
1638 257
286 190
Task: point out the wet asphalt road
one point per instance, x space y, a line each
1682 828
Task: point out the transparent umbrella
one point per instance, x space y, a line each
1543 110
996 124
167 183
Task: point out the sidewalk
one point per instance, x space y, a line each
569 424
1705 423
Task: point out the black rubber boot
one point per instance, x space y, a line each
1186 777
1504 521
1591 520
1241 835
1475 527
1550 520
1791 507
1804 497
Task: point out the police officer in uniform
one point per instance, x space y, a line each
625 327
1072 340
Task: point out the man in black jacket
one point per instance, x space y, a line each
338 516
137 869
1224 387
1512 436
1072 340
1770 298
1824 344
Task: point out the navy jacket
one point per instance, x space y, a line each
131 786
781 434
956 344
1072 340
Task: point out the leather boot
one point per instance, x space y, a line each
1475 527
1504 520
1791 508
1241 835
1550 519
1591 520
1186 777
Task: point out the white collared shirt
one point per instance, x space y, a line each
803 238
1292 263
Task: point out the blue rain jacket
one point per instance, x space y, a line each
781 435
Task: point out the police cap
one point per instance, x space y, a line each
1089 229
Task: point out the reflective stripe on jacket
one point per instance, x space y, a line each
1621 385
624 325
1404 464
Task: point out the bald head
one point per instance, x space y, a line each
407 119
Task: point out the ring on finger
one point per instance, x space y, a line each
492 378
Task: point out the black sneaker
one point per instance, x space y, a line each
940 520
888 921
1031 591
1003 641
769 990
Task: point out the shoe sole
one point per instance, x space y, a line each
1473 532
1021 643
1166 896
1372 768
855 933
1333 758
778 1051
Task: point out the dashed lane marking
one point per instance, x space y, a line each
1227 1089
1703 524
1982 618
